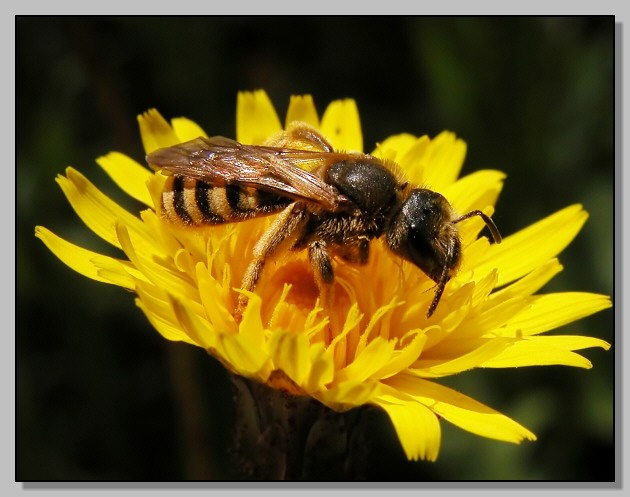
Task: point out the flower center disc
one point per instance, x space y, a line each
304 292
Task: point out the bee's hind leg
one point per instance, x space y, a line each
272 241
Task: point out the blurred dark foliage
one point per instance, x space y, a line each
101 396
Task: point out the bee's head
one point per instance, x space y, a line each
422 232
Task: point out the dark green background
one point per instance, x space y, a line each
101 396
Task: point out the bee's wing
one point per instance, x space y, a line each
220 161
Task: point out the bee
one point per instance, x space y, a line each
327 202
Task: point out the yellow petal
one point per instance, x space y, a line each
374 357
161 276
314 322
546 351
380 320
397 147
75 257
238 351
155 131
163 238
412 161
573 342
522 252
555 310
322 368
121 273
443 160
528 284
130 176
347 394
402 359
256 118
302 108
289 352
483 286
211 294
98 211
194 326
461 410
477 190
168 331
158 309
418 428
491 322
251 325
342 126
484 352
186 130
336 348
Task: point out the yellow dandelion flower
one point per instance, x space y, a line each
375 345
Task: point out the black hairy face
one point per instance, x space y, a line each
423 234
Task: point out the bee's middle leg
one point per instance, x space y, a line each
322 266
354 250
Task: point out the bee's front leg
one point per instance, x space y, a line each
355 250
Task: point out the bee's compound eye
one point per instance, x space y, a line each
425 206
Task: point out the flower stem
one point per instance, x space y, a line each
280 436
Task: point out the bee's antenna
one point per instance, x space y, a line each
496 236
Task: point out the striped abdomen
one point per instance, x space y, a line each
194 203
